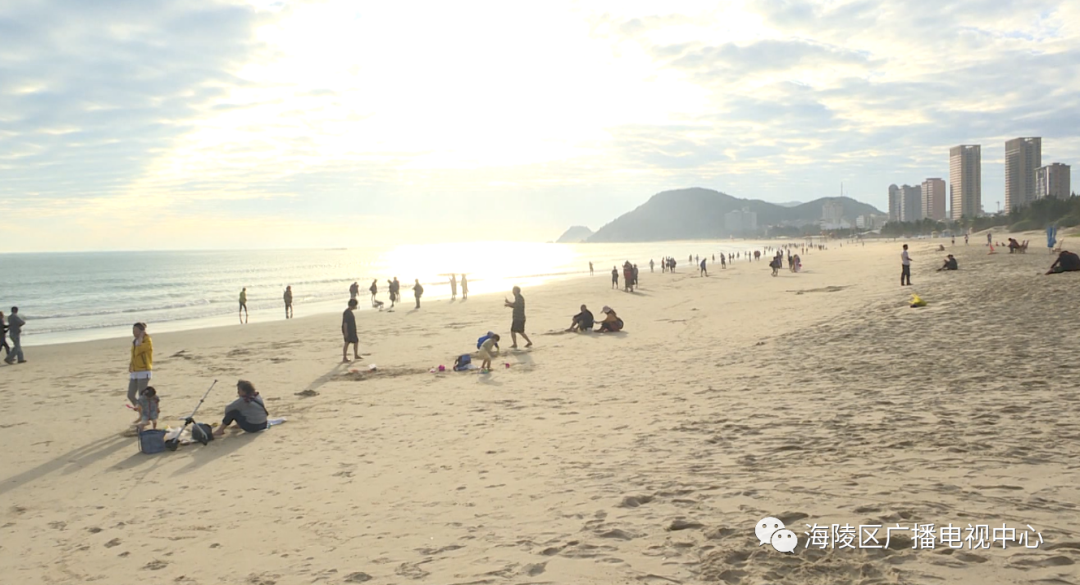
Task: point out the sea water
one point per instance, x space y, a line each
67 297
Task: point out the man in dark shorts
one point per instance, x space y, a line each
518 324
395 289
348 331
243 306
288 302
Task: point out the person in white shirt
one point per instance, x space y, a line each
905 270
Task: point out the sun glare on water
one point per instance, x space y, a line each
490 266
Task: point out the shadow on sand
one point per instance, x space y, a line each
71 461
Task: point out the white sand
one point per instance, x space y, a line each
819 397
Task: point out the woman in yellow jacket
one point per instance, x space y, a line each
142 362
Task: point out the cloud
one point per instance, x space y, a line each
91 91
500 118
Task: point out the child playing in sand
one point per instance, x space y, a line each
148 408
488 350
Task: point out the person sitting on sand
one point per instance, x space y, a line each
148 407
1066 262
488 350
1013 245
611 322
248 410
583 321
950 264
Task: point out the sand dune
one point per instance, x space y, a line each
640 457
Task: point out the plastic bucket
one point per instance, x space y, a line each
152 441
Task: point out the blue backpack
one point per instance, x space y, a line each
462 362
481 341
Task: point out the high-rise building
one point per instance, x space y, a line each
1053 180
910 203
832 212
1023 156
933 199
741 222
894 203
965 180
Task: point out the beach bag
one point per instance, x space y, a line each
462 362
152 441
202 433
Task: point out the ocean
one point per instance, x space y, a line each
66 297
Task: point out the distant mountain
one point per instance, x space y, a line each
575 234
689 214
790 204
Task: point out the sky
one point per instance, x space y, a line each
202 124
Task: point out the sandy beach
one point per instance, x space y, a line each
645 456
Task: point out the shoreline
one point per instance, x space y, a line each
436 290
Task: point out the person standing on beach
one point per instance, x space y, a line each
614 277
590 269
723 261
518 324
242 313
141 365
965 239
464 288
395 290
354 290
703 272
453 287
15 325
348 331
417 291
3 335
288 302
651 265
905 267
374 289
